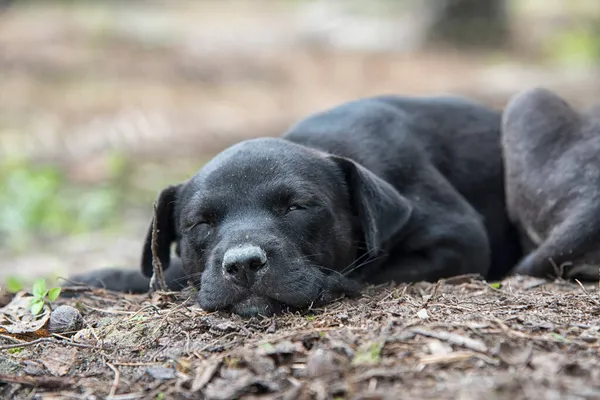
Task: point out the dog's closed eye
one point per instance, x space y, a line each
197 224
205 220
295 207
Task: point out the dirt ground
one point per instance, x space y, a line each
168 87
80 83
460 338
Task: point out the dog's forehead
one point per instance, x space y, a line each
252 163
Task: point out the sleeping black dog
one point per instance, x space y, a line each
375 190
552 163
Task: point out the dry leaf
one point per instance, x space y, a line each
204 375
423 314
437 347
514 355
322 362
58 360
17 319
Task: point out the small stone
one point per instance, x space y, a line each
65 319
161 373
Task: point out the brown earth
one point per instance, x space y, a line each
78 83
456 339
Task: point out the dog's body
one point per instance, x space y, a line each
553 184
378 189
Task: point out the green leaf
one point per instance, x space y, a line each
15 350
36 306
39 288
268 347
558 337
496 285
368 354
13 284
53 293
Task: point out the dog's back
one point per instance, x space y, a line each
390 135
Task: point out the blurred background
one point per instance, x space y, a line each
103 103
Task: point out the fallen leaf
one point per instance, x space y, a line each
549 364
531 282
17 319
368 354
437 347
260 365
223 389
322 362
282 348
447 358
161 373
58 360
454 338
204 375
514 355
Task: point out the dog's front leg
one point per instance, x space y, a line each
428 266
336 286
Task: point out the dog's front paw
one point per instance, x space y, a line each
337 287
120 280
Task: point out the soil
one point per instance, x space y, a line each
76 88
461 338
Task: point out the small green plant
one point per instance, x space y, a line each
42 296
15 350
268 347
368 354
495 285
558 337
13 284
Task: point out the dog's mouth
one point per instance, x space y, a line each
304 288
258 306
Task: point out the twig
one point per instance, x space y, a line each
14 339
453 338
47 340
119 312
433 293
455 356
203 376
136 364
115 385
39 381
587 293
157 275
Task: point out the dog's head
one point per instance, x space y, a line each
270 224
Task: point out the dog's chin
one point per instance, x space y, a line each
256 306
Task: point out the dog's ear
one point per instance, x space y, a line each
166 232
381 209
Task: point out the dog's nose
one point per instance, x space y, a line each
242 263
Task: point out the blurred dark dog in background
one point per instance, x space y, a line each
552 162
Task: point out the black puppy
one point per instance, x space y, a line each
375 190
552 161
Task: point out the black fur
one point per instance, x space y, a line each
375 190
553 184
